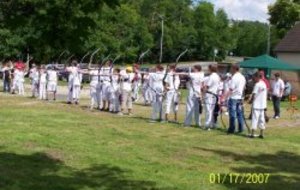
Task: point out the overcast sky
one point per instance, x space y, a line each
245 9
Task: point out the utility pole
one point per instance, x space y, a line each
161 39
269 39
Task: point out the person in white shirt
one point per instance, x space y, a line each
94 88
146 90
277 93
157 88
34 78
42 83
51 82
114 92
259 104
172 83
105 79
73 83
136 82
126 90
211 96
193 102
236 92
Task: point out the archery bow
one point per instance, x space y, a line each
92 58
69 58
140 61
82 59
166 74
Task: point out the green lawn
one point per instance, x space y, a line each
52 146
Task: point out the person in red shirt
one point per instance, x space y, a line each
266 81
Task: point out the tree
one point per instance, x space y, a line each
48 27
251 38
284 14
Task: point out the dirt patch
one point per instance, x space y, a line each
55 154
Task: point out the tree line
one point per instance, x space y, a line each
129 27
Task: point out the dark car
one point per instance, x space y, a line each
183 78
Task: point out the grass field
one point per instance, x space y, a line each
53 146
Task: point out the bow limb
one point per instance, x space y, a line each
82 59
182 54
69 58
105 59
62 53
143 55
92 57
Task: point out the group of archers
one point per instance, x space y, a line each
114 90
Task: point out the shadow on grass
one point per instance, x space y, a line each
283 167
41 172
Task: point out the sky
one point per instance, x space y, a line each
255 10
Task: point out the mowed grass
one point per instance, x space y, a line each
53 146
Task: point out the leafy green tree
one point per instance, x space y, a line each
284 14
251 38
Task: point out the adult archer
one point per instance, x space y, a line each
171 84
235 103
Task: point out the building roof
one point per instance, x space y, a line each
291 42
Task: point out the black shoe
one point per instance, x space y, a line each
251 136
261 137
69 102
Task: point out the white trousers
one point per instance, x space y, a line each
147 95
210 103
192 111
99 95
94 96
76 93
34 87
42 91
21 90
105 90
136 89
172 101
258 119
156 107
70 92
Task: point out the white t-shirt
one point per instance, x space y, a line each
72 72
52 76
43 78
105 72
278 87
34 75
127 79
173 81
213 83
156 81
94 77
237 86
196 83
261 95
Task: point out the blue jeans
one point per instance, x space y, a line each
235 111
6 86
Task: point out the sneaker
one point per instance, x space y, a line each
251 136
120 114
130 114
152 121
276 117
